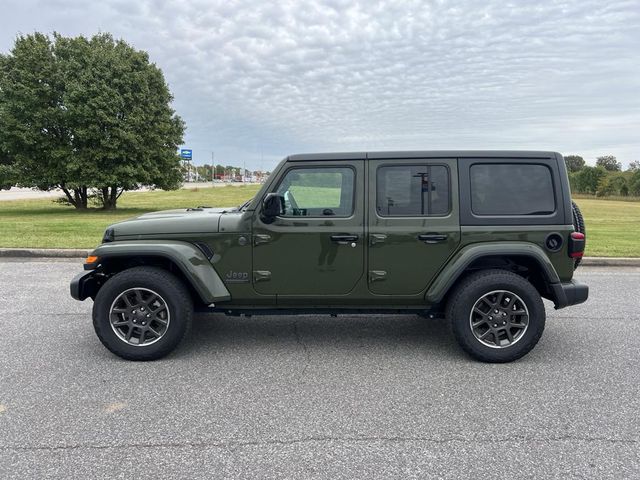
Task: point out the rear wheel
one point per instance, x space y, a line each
142 313
496 316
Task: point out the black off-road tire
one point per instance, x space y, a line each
173 292
579 225
475 286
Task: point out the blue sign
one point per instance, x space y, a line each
186 154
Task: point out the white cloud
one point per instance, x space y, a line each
287 76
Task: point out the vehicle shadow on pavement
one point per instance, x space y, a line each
376 333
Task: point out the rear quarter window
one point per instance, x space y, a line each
511 189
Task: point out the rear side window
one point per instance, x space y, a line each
511 189
413 191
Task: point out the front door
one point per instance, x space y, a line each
414 222
316 247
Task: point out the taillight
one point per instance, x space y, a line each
576 245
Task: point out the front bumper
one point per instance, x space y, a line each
570 293
84 285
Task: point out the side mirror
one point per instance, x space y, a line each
272 206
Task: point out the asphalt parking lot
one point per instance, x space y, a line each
316 397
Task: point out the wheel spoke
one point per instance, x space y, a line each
487 301
157 310
479 322
154 332
142 334
127 301
129 333
509 335
485 334
139 299
499 299
151 299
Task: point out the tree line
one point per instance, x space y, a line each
605 179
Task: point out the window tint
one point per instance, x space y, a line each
317 192
511 189
412 190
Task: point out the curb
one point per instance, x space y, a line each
610 262
43 252
82 253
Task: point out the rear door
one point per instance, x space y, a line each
414 222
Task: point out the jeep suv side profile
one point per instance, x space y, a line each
479 236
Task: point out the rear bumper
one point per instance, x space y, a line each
83 285
570 293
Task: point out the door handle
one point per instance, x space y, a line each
377 238
260 238
432 237
344 238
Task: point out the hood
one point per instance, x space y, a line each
182 221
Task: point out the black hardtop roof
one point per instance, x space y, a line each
515 154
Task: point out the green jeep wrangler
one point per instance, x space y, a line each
478 236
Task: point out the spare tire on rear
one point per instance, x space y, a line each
578 224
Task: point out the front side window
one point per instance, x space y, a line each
511 189
413 190
318 192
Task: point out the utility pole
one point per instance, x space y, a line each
213 167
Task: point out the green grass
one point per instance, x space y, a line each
613 226
43 223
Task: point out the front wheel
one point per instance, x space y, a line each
496 316
142 313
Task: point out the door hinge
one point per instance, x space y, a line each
261 238
261 276
377 275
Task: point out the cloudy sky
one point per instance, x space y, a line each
257 80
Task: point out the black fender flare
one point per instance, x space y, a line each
469 254
191 261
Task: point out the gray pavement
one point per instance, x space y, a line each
315 397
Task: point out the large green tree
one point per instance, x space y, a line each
609 162
588 179
88 116
574 162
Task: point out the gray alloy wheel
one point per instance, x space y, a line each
499 319
139 317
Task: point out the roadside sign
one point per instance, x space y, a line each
186 154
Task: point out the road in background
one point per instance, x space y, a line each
28 194
315 396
